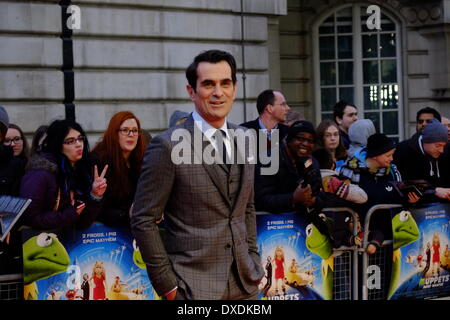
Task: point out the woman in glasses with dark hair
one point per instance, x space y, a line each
16 139
64 187
122 149
13 159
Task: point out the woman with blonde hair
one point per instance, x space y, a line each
279 268
99 280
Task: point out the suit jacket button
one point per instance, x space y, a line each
227 246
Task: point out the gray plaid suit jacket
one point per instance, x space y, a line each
205 230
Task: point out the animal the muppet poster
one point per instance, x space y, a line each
98 263
420 262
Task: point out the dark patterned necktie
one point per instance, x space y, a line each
269 142
220 136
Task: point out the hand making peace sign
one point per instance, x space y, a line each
99 184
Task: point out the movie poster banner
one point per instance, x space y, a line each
296 257
97 263
420 262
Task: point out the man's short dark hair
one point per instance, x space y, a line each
339 107
433 111
266 97
211 56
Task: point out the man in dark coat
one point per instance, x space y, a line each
344 114
423 117
427 158
272 109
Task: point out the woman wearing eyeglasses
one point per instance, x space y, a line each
328 137
16 139
13 158
64 187
122 149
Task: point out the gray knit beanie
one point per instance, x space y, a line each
176 116
434 131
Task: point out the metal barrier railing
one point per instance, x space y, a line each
382 253
353 249
346 260
345 282
11 287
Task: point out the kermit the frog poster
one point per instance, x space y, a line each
98 263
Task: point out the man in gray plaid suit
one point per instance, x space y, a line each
209 250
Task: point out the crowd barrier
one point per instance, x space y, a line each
333 272
402 268
414 263
380 259
11 287
347 265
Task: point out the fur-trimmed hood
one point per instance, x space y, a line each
43 161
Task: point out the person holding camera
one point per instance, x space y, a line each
295 186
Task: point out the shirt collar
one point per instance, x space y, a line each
206 128
263 127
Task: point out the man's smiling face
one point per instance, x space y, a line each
215 92
302 144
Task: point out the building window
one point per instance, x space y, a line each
359 65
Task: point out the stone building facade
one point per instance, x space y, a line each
128 55
327 52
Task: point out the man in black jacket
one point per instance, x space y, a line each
427 158
344 114
272 109
423 117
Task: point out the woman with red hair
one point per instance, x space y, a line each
122 149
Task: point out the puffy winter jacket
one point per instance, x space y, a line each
51 207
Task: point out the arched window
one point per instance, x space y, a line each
361 66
